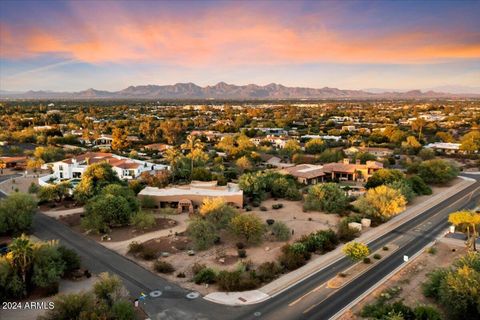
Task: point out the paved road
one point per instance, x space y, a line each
411 237
173 304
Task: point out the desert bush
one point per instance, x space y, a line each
163 267
240 245
277 206
242 253
281 231
366 260
268 271
270 221
144 220
377 256
197 267
148 253
263 208
345 233
181 275
293 256
205 275
135 247
148 202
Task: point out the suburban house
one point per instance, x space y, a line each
323 137
105 140
378 152
342 171
126 168
445 147
189 197
13 162
158 147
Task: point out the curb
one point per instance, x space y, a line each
400 221
382 281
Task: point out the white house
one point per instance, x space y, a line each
126 168
446 147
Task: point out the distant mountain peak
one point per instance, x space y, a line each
225 91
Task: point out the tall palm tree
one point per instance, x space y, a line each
22 250
192 144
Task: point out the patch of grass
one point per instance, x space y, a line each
431 250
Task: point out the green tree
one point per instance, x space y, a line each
16 213
105 211
48 265
356 250
202 232
426 154
248 226
419 186
411 145
384 176
437 171
21 251
328 197
125 192
94 179
144 220
109 289
404 187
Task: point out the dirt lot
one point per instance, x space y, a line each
411 278
119 233
224 255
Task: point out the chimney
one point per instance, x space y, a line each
346 161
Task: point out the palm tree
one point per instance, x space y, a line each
192 144
21 250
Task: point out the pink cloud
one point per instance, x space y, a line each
225 36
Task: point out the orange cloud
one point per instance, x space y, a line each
228 36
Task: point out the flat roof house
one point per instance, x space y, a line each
342 171
189 197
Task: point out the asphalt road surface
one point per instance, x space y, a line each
173 304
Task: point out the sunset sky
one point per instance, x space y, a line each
109 45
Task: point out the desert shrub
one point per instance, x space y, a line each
242 253
228 280
144 220
205 275
135 247
366 260
328 197
281 231
432 250
426 313
431 287
293 256
240 245
268 271
377 256
148 253
345 233
148 202
70 258
203 233
263 208
163 266
270 221
381 310
320 241
197 267
277 206
385 248
181 275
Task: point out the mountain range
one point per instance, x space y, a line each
224 91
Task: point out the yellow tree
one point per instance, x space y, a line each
356 250
119 141
470 221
